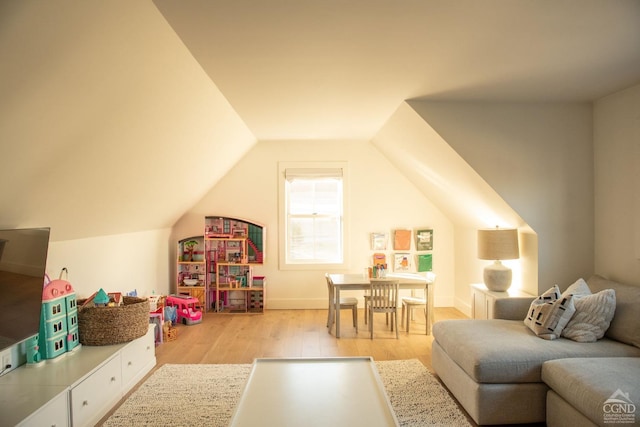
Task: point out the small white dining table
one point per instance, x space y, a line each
360 282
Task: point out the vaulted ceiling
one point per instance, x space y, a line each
100 101
338 69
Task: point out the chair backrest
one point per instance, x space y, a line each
384 294
329 282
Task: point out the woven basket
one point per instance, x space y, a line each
113 325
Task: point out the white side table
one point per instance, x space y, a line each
483 300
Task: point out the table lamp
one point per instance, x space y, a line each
497 244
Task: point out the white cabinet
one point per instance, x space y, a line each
55 413
483 300
97 393
137 359
76 389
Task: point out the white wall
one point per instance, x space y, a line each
617 185
116 263
443 176
382 199
550 188
539 158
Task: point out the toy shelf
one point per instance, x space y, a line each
190 268
232 247
243 300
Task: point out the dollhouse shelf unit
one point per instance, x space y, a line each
191 272
220 272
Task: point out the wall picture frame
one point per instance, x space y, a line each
424 262
401 262
379 241
424 239
402 240
380 259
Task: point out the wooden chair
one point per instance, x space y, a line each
414 302
411 303
383 298
366 298
343 304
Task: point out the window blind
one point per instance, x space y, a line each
312 173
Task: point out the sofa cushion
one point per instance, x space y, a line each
624 325
549 313
506 351
586 384
592 317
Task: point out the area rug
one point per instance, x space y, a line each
206 395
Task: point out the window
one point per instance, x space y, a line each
312 214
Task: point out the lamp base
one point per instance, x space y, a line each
497 277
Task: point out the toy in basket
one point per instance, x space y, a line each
186 311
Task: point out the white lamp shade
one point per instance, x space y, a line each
498 244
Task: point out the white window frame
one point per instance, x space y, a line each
311 167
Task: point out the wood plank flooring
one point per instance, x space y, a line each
240 338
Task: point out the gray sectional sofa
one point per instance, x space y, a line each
503 373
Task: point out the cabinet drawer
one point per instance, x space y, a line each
94 396
54 414
136 356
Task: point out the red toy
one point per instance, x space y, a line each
186 311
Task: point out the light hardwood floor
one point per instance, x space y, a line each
240 338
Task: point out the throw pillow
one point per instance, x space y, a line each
579 287
550 313
593 316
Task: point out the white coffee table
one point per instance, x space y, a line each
337 391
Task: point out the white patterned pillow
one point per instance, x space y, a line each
549 313
593 316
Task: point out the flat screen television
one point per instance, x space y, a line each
23 260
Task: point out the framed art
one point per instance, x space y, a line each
402 240
378 241
425 262
401 262
424 240
380 259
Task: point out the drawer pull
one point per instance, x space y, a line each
113 379
148 347
85 403
130 363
